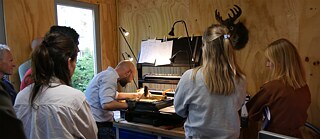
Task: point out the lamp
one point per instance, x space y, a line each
131 59
124 33
174 56
128 56
171 33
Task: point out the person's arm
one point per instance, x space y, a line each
241 90
108 95
122 96
85 123
180 99
256 104
115 105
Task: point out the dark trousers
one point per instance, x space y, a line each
105 130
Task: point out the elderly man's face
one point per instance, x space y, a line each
7 64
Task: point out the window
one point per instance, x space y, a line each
2 33
83 18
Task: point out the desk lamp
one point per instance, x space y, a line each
125 33
171 33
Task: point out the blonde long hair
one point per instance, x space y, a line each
219 66
287 63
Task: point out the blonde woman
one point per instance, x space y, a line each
210 96
286 94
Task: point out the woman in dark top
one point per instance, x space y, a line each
286 94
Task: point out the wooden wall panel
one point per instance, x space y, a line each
309 48
108 33
267 21
24 21
29 19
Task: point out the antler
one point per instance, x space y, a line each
218 17
236 12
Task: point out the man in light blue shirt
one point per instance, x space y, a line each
103 96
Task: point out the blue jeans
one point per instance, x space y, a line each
106 133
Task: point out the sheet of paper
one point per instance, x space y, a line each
147 51
164 50
169 109
155 51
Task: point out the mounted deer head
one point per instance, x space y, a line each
238 32
230 21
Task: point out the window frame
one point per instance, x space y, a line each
2 25
95 10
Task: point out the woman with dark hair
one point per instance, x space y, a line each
52 108
70 32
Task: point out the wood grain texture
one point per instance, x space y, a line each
29 19
267 21
24 21
309 48
108 33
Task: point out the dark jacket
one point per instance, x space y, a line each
11 127
8 87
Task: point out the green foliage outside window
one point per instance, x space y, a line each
84 71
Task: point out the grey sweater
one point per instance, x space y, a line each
208 115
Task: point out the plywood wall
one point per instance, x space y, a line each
267 20
29 19
24 21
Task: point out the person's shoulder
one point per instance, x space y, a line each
189 71
65 91
70 90
108 71
241 81
108 74
187 74
75 97
25 66
274 85
111 71
23 95
240 78
26 63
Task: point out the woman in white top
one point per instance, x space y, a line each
50 107
210 96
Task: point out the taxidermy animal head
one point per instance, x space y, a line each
238 32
